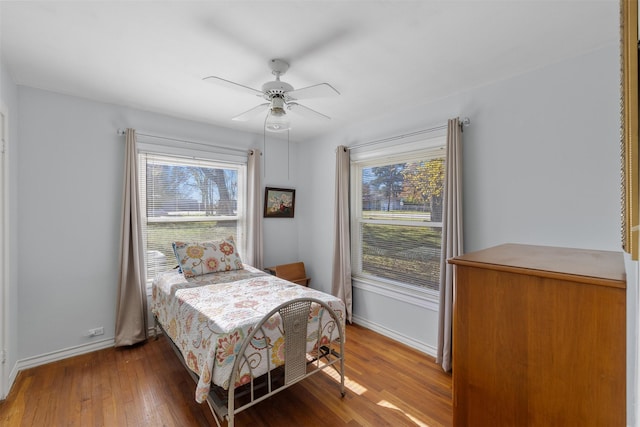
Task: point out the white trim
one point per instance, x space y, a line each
5 379
416 143
65 353
394 335
12 378
145 157
408 296
633 342
419 148
58 355
217 154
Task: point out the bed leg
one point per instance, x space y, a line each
155 327
215 414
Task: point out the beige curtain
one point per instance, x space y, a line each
131 310
254 255
451 238
341 278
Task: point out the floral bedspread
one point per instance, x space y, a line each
209 316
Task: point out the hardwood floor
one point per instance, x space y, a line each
388 384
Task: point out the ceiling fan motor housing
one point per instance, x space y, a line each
276 88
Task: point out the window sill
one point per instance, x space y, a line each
421 298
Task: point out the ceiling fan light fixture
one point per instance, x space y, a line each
277 120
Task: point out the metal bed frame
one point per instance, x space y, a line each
298 363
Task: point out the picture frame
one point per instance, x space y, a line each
629 144
279 202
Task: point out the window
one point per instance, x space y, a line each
188 200
397 219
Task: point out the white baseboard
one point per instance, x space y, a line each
65 353
12 378
54 356
9 383
383 330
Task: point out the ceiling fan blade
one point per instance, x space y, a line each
306 111
338 35
252 112
229 83
316 91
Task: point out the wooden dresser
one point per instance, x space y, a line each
539 337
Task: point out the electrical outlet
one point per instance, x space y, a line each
95 332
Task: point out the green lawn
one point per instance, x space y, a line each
161 235
418 263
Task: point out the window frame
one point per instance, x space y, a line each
418 148
190 157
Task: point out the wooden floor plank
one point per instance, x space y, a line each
388 384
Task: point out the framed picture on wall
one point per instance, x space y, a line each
629 144
279 202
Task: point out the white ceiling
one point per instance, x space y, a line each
380 55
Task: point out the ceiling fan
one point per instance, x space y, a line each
281 96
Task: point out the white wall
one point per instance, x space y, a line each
281 171
543 158
9 100
541 166
70 185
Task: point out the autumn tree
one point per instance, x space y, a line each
423 184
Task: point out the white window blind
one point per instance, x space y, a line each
188 200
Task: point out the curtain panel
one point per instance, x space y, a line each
254 255
131 308
451 238
341 275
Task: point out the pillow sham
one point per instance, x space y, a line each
199 258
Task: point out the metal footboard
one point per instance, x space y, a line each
299 364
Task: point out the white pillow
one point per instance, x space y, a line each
198 258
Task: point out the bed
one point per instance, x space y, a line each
243 334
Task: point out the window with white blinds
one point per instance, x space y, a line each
187 200
397 219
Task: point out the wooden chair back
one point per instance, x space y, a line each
293 272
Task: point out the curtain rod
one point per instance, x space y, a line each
464 122
121 132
